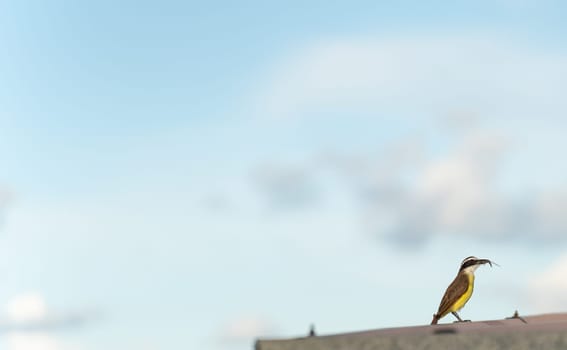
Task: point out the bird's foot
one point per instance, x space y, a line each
462 321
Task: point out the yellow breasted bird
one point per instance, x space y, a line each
460 290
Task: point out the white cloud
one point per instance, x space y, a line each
246 328
460 193
34 341
419 74
26 320
285 187
548 291
455 193
459 185
6 196
475 183
408 196
27 307
29 312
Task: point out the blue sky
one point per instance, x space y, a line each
195 175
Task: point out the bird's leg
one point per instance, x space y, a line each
459 318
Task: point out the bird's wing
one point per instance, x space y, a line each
455 290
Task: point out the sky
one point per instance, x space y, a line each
195 175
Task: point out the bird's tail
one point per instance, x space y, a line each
435 319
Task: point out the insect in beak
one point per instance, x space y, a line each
486 261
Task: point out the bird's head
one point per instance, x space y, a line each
471 263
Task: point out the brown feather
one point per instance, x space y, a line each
456 289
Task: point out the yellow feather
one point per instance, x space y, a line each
465 297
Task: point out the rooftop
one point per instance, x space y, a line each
547 331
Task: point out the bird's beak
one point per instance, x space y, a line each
486 261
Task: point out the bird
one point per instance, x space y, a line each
460 290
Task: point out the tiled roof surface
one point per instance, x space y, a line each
537 332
